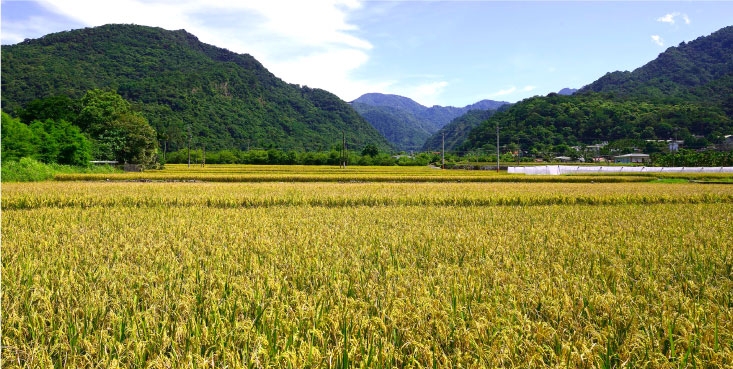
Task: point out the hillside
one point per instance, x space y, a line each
685 93
457 130
402 129
408 124
675 72
223 100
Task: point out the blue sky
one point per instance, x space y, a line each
435 52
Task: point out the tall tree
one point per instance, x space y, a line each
121 134
99 108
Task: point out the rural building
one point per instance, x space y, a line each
596 149
632 158
727 144
104 162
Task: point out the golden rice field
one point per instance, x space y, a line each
398 274
302 173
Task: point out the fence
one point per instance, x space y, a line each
578 169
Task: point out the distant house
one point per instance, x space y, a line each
632 158
596 149
727 144
563 159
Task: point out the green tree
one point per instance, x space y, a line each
120 133
59 107
59 141
98 109
17 139
370 150
139 139
47 148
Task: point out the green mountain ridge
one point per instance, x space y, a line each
676 72
185 88
685 93
402 129
407 124
458 130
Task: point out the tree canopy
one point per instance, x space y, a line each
49 141
103 126
184 88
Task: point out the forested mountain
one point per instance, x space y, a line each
675 73
406 123
686 93
392 101
402 129
185 88
457 130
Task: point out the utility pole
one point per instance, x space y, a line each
443 153
188 130
344 154
497 147
674 154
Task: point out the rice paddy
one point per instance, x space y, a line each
364 274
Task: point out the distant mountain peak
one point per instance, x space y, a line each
404 122
567 91
392 101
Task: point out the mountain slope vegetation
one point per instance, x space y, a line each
676 72
188 90
402 129
686 93
457 130
408 124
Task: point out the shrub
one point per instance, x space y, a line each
26 170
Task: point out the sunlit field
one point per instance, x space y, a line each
359 273
295 173
311 173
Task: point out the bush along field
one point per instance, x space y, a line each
299 275
31 170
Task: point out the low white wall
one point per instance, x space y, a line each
578 169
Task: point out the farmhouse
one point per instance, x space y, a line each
632 158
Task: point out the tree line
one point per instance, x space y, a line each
369 155
99 126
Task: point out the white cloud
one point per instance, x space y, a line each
428 93
425 93
511 90
17 31
304 42
658 40
670 18
506 91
